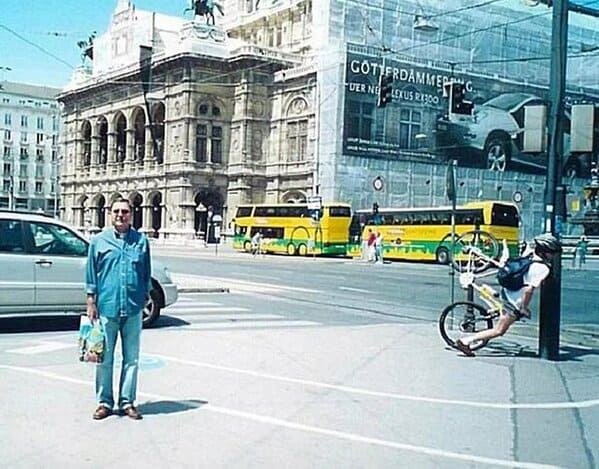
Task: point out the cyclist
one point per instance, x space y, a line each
517 302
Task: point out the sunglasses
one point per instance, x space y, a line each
123 211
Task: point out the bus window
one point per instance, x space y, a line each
504 215
240 230
244 212
339 211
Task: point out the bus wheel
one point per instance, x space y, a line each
442 256
247 246
302 250
291 249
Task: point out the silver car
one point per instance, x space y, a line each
42 269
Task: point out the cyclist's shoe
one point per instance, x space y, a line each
462 347
492 312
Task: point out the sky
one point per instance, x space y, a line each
38 38
26 26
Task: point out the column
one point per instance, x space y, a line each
95 154
130 145
149 156
112 147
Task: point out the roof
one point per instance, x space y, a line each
32 91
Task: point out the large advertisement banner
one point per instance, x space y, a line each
416 125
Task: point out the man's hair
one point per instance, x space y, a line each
121 200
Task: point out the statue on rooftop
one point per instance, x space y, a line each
206 8
87 47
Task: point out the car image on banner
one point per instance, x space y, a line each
493 137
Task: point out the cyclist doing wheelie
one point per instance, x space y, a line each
517 302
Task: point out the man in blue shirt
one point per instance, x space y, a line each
118 283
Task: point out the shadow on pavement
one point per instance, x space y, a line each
169 321
505 349
170 407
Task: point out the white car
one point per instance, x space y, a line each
42 269
493 136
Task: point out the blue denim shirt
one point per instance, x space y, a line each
118 272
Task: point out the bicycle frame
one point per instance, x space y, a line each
486 293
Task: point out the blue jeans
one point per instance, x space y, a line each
129 328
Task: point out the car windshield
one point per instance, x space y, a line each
507 101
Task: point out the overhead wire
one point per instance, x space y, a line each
33 44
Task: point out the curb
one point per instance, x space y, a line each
203 290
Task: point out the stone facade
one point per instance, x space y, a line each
217 125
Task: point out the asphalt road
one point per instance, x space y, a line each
406 291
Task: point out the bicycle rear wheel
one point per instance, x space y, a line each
462 318
464 259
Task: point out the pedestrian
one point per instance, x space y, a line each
378 248
518 301
580 252
118 284
370 248
256 243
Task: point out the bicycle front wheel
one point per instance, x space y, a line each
464 258
463 318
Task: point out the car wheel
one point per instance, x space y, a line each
247 246
497 153
291 249
302 250
151 310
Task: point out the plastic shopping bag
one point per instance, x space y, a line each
91 340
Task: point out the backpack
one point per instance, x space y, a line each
511 275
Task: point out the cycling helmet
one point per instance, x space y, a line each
547 243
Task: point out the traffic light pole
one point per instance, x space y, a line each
550 305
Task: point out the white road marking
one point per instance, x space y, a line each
367 392
229 317
248 324
236 284
214 309
359 290
42 348
305 428
183 299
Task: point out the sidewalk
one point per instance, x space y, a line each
352 397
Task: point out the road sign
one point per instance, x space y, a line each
314 202
378 183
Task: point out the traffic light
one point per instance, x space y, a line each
375 208
456 92
385 90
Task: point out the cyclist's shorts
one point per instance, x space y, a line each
510 308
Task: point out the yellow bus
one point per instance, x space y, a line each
424 234
293 228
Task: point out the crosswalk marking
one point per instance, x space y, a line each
247 324
211 309
230 317
41 348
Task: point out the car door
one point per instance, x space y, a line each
17 284
59 266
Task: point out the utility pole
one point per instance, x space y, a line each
550 306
